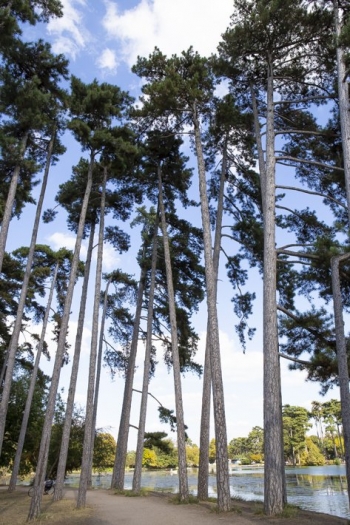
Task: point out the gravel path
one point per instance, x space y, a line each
158 509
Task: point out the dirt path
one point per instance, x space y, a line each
160 509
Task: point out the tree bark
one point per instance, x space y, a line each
123 434
5 223
26 414
274 485
21 303
262 165
343 95
61 468
180 424
136 482
222 475
343 370
202 490
35 504
98 372
88 445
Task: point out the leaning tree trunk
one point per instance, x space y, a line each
222 474
5 222
180 424
136 481
123 434
343 370
22 300
61 468
202 490
274 467
88 441
26 414
35 504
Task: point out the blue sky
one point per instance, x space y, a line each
102 40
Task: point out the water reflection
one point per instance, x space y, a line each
320 489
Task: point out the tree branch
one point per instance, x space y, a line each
303 100
306 161
298 254
294 188
149 393
315 333
300 361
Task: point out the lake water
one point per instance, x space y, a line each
320 489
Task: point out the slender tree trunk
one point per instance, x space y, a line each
5 222
274 466
222 475
343 371
88 441
123 434
263 187
61 468
98 374
180 424
262 164
202 490
26 414
35 504
136 482
343 96
21 304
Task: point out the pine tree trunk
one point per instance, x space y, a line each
21 304
26 414
136 482
35 504
202 491
118 475
222 474
61 468
343 371
98 374
343 96
88 445
180 425
262 165
274 466
5 222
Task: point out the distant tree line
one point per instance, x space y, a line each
300 448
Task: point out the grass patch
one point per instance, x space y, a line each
15 508
176 500
289 511
130 494
143 492
233 510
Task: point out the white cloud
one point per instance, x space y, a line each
107 60
111 260
65 240
171 26
70 35
60 239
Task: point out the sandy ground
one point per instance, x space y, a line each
160 509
